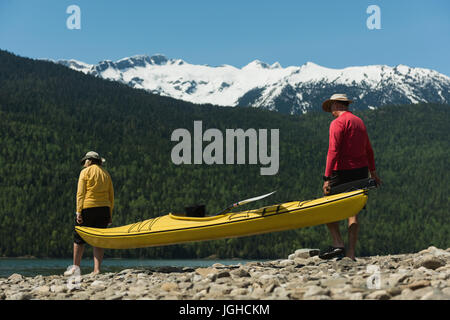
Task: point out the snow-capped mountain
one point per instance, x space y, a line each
294 89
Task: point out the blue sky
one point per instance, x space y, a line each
330 33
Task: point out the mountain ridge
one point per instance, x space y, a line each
292 89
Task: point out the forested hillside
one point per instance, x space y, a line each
51 116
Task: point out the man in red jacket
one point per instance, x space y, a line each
350 157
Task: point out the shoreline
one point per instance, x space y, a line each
422 275
211 257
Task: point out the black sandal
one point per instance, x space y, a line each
332 252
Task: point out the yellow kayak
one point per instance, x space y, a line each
172 228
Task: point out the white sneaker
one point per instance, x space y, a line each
71 270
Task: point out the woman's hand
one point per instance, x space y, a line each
79 218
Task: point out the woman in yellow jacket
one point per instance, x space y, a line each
95 202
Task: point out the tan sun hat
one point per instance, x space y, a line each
326 106
92 155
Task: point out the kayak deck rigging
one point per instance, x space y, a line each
147 224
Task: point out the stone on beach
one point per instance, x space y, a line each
430 262
418 276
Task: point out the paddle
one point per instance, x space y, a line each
240 203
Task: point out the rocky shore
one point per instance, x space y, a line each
420 276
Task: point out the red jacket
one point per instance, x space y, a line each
349 146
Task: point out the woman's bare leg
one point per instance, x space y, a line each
78 250
98 258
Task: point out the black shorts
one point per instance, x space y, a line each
96 217
344 176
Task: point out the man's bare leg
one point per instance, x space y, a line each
353 228
335 234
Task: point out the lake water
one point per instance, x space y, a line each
46 267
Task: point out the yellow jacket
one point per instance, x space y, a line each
95 188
